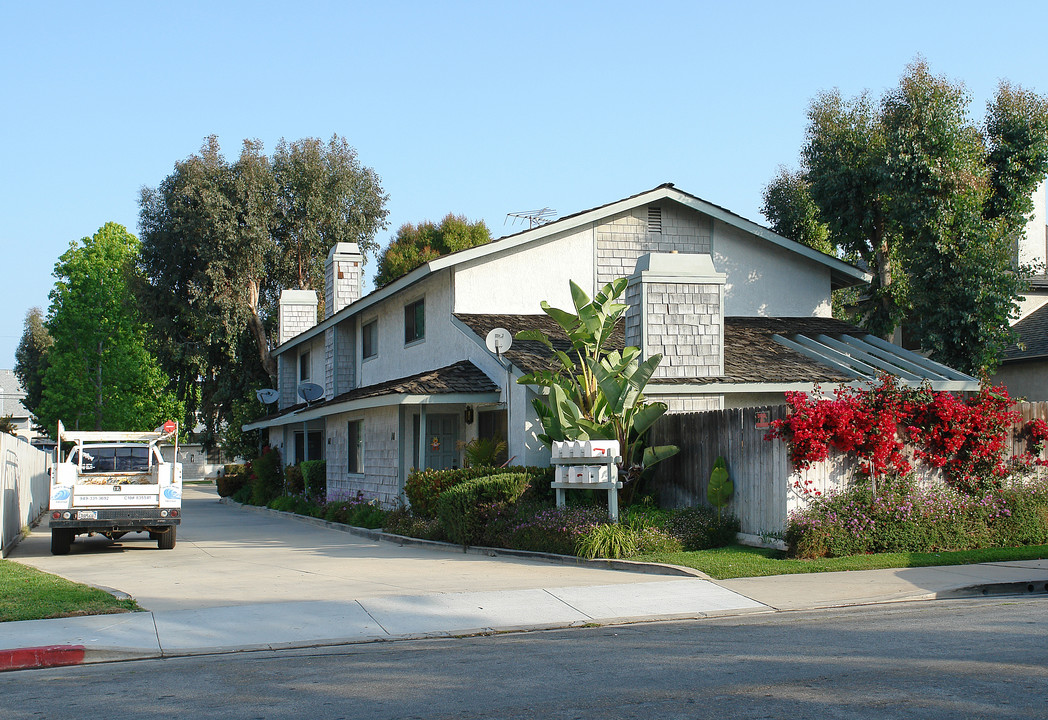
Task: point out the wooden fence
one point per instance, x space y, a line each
760 470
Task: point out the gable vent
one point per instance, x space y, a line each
654 219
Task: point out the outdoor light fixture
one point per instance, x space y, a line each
469 414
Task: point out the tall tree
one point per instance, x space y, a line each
31 358
931 203
415 245
792 212
220 241
100 374
324 196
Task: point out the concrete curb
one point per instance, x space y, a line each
402 540
1021 587
42 657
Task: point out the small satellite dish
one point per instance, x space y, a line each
267 396
310 392
499 340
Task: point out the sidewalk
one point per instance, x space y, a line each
272 626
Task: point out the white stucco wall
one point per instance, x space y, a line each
766 280
1030 304
517 282
441 346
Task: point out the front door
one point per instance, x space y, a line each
441 441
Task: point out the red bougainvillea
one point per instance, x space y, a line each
966 437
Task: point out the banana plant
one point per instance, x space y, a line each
720 487
596 393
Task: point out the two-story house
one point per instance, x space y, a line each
740 315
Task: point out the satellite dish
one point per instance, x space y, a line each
499 340
267 396
310 392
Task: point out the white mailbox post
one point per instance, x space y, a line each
587 465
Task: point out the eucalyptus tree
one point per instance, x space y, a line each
931 202
415 245
31 358
220 240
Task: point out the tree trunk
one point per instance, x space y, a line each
258 330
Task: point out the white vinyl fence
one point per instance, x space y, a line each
25 485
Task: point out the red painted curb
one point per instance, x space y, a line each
41 657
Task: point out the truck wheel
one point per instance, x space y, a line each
61 539
166 540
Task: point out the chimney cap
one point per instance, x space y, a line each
344 248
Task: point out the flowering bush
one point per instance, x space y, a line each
967 438
553 530
905 517
355 510
1035 433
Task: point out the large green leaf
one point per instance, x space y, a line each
720 487
646 416
658 453
535 336
611 291
566 320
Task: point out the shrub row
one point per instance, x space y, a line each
906 517
356 511
465 510
424 487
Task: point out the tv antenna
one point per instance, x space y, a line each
534 217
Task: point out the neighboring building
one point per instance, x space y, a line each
11 396
1024 366
740 315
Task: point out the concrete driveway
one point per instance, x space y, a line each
229 556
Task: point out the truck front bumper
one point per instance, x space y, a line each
115 519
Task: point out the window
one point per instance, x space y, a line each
415 321
303 366
355 448
369 339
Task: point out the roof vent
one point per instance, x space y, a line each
654 219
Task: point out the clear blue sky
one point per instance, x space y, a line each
479 108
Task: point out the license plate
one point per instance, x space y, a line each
86 514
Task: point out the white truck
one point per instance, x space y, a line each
113 483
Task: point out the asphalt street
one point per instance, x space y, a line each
934 661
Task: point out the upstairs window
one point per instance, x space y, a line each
303 366
369 339
415 321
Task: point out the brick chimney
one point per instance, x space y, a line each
343 277
677 309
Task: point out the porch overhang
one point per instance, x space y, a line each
333 408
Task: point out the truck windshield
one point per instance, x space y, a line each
114 459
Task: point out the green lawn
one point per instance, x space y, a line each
29 594
740 561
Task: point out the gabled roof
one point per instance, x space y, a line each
842 274
1033 337
758 351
